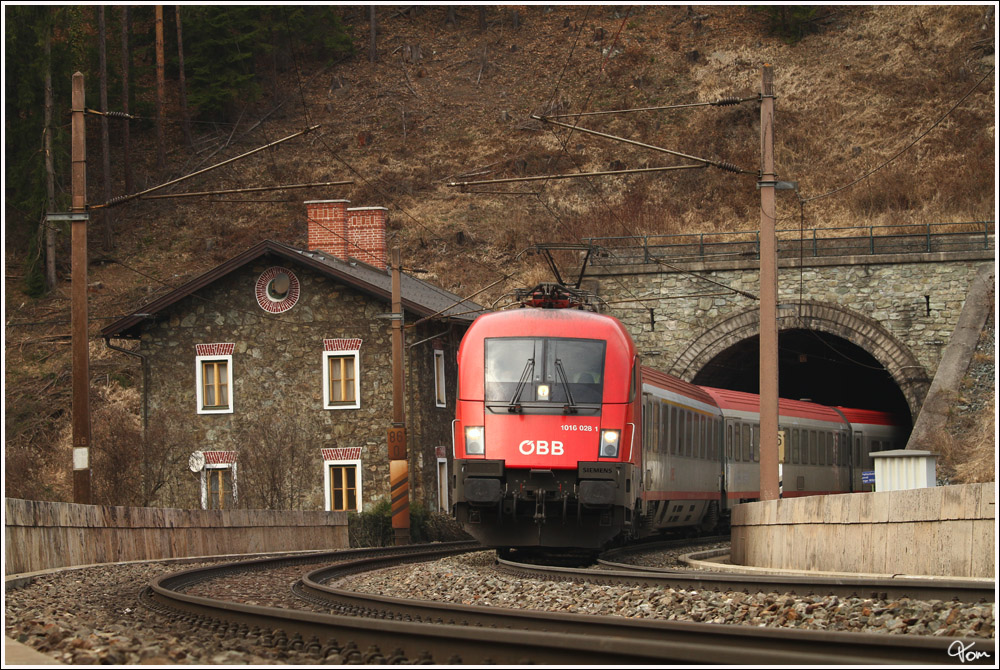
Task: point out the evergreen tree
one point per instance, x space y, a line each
26 198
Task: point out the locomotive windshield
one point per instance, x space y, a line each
542 373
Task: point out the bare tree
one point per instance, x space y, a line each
161 148
117 448
102 50
50 184
373 29
183 86
277 468
126 66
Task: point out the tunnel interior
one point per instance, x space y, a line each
812 365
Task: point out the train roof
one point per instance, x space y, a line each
740 401
678 386
539 322
869 416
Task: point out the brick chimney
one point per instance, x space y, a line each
326 222
342 232
366 233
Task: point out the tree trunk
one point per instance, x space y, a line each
50 182
372 51
161 148
126 66
186 120
482 19
449 17
102 53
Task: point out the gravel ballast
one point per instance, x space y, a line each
92 615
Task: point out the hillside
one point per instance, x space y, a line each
450 103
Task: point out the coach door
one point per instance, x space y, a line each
857 462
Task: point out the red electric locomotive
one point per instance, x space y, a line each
547 449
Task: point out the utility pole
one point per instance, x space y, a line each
81 352
768 295
399 467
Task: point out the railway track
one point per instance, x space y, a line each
385 629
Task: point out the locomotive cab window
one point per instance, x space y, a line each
544 374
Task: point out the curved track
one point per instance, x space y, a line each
382 629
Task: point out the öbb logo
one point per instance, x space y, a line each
541 448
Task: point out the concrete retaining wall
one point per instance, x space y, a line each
43 535
945 531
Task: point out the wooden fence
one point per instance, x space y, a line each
41 535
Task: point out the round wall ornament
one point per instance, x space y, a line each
277 290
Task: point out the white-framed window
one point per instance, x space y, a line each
443 485
440 396
214 381
342 480
218 480
341 380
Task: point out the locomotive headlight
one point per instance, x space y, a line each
475 444
609 443
543 391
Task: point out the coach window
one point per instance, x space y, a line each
737 452
755 441
812 447
673 431
729 442
688 432
695 435
745 441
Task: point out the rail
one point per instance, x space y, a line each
441 632
794 243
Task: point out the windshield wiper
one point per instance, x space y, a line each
515 406
570 406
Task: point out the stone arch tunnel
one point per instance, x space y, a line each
827 354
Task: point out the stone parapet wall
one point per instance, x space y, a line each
943 531
44 535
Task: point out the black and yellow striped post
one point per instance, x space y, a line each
399 466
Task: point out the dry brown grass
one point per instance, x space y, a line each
978 463
967 448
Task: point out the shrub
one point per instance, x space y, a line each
373 528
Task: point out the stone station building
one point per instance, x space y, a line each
272 373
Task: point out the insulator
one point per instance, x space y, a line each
727 100
116 200
728 167
119 115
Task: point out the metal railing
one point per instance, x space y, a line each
811 243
